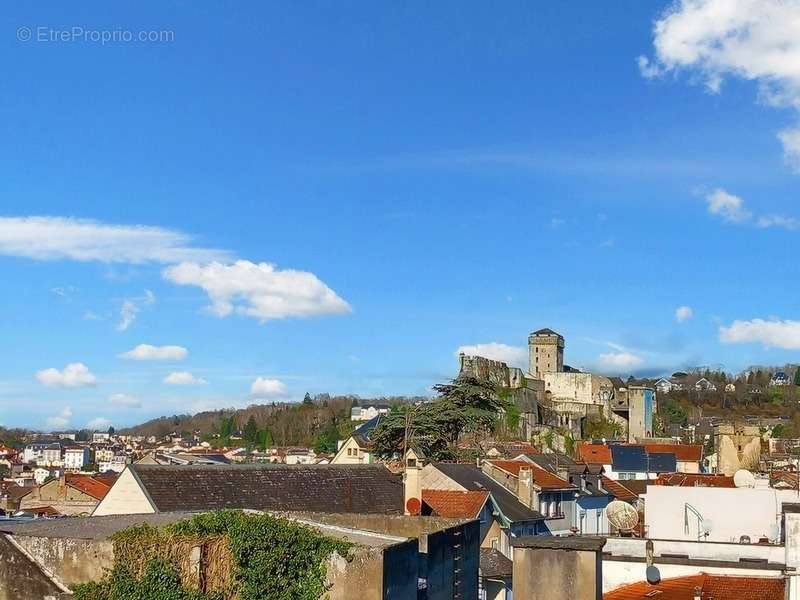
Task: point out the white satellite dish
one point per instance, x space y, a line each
622 515
744 479
774 532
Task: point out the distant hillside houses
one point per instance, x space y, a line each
368 411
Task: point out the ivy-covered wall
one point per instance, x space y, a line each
222 555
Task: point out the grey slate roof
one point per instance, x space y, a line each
494 564
552 462
473 479
367 489
546 331
363 433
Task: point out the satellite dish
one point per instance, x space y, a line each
622 515
652 574
744 479
774 532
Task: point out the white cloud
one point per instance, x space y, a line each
72 376
683 313
149 352
99 424
512 355
790 138
60 238
64 292
771 333
259 290
126 400
268 388
778 221
127 314
61 420
131 307
620 360
183 378
756 40
729 207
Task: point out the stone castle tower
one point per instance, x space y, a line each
546 352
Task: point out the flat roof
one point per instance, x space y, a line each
546 542
102 528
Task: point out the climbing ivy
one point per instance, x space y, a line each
256 557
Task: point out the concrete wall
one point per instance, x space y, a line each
365 576
72 561
444 546
22 579
734 512
548 574
375 573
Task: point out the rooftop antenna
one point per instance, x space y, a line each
704 526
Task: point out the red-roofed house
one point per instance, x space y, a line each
70 494
454 504
710 587
595 454
460 504
538 488
688 457
695 480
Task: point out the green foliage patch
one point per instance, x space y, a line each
252 556
465 406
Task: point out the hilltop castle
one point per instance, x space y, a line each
553 394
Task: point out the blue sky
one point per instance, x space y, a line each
413 177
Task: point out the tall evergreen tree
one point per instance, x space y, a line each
250 432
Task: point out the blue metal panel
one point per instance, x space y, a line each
663 463
628 459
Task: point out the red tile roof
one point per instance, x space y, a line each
595 453
88 485
455 504
618 490
541 477
682 452
716 587
695 480
510 466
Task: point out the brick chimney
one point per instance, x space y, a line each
525 490
412 483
